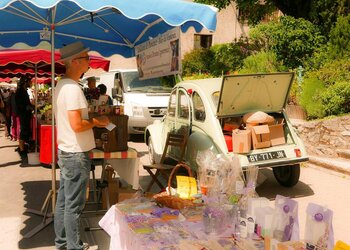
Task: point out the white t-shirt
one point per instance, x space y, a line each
69 96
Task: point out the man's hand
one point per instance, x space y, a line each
101 121
79 125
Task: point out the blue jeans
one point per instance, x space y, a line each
71 197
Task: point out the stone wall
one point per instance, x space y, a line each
325 137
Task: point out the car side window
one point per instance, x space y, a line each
184 106
172 104
198 107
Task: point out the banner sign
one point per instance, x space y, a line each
159 56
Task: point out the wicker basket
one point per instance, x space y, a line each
164 199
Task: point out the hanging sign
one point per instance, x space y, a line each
159 56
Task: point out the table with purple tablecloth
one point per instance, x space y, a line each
141 225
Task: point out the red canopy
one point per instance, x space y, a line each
5 79
19 61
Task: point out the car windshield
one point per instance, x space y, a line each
132 83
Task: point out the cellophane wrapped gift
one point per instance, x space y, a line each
319 230
249 189
285 222
217 175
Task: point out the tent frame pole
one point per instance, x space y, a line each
51 196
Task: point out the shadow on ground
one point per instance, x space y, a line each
35 193
11 163
137 138
270 188
9 146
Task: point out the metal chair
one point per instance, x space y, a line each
162 168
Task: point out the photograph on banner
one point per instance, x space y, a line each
159 56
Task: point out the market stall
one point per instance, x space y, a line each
218 219
108 27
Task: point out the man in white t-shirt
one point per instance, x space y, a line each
75 139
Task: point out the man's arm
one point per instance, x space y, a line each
79 125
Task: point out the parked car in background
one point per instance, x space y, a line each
144 101
205 108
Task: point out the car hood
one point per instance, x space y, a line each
241 94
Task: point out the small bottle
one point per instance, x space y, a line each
237 233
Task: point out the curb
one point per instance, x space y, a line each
329 164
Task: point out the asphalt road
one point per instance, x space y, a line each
318 185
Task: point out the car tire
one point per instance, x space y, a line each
151 151
287 176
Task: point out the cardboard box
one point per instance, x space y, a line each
277 134
117 139
261 136
241 141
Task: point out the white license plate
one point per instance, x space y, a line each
266 156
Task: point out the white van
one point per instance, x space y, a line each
144 100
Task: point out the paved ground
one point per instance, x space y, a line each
27 187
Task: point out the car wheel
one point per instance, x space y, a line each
287 176
151 151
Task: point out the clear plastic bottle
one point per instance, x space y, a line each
237 233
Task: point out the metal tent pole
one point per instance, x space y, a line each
51 196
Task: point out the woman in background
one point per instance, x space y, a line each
24 110
104 99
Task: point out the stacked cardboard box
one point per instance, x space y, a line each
116 139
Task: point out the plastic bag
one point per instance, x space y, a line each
218 175
249 189
285 222
319 230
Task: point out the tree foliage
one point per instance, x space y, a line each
262 62
336 99
310 99
197 61
293 40
340 38
219 59
322 13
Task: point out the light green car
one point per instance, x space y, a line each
201 107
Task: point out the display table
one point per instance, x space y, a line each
137 226
125 163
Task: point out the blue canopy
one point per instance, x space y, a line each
106 26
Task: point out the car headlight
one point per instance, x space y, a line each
137 111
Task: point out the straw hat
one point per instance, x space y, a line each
71 50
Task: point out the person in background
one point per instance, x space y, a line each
24 110
91 92
2 108
104 99
15 130
7 112
75 139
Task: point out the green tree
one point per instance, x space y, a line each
340 38
229 57
293 40
197 61
262 62
310 99
322 13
